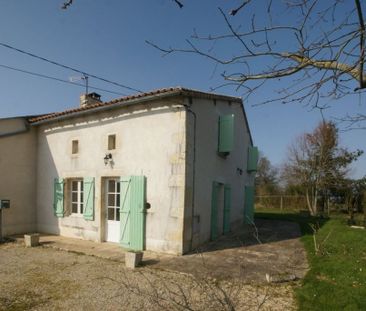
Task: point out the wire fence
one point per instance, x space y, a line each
282 202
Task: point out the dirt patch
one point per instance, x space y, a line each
48 279
270 252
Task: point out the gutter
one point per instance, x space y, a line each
188 109
247 124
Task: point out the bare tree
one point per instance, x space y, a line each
354 192
315 48
317 164
171 291
318 46
266 178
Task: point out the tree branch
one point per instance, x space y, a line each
362 43
66 4
235 11
178 3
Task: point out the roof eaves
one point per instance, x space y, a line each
117 103
131 100
126 101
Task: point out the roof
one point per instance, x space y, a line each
131 99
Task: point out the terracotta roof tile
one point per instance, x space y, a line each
166 91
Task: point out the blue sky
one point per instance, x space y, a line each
107 38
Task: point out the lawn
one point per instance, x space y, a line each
337 276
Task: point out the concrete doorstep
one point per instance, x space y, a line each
31 239
105 250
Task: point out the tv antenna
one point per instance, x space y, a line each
84 78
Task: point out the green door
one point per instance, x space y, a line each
227 207
132 212
214 210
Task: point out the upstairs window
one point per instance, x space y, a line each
75 147
111 142
226 134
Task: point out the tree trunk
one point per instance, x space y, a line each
328 206
308 200
309 203
315 198
315 205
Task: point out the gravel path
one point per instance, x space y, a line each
48 279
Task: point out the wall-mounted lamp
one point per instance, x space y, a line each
108 158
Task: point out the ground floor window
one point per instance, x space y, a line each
113 199
77 196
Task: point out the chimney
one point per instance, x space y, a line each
89 99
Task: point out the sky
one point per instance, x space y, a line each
107 38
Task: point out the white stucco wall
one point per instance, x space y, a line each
150 141
18 175
210 167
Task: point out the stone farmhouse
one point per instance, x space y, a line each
165 170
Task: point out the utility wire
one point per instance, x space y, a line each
68 67
57 79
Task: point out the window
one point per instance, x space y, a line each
113 199
111 142
77 196
74 146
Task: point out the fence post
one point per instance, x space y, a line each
328 207
1 226
281 206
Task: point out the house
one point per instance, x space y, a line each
165 170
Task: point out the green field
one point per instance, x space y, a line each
337 276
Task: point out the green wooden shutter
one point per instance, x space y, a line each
227 208
88 198
252 159
137 229
214 208
124 211
226 133
249 205
132 212
58 197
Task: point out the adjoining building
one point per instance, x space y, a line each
165 170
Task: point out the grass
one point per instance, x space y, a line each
337 276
